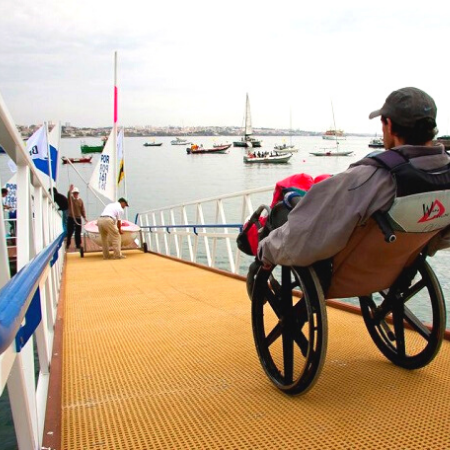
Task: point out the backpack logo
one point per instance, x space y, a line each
432 212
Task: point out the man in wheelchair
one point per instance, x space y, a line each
331 246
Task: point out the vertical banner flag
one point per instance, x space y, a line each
103 178
121 175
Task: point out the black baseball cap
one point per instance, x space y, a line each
406 106
121 199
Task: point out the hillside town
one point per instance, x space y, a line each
69 131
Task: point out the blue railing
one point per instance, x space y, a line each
20 293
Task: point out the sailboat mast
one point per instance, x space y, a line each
290 126
115 126
334 121
248 118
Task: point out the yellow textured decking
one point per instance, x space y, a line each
158 354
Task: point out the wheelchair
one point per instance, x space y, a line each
405 314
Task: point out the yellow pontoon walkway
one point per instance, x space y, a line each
158 354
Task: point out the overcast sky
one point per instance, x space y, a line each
191 62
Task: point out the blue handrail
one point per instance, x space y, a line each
17 294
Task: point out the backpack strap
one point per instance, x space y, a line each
389 159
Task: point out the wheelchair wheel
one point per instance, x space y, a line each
290 332
408 328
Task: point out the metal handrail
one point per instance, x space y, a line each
202 231
17 294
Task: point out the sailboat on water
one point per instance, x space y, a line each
336 136
287 148
247 140
106 177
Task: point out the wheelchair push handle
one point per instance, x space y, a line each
254 218
385 227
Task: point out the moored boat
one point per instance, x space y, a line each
267 158
179 141
153 144
247 140
283 148
376 143
196 150
331 152
82 160
332 135
91 148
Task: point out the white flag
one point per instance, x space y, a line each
37 145
103 178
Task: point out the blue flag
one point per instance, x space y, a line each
38 147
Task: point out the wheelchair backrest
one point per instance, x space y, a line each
419 211
369 264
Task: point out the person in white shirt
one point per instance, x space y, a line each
110 227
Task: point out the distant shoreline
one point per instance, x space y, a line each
68 131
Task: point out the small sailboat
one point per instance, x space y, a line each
332 152
287 148
247 140
106 177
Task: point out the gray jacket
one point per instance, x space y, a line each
323 221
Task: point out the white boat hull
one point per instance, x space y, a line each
130 232
279 159
329 137
332 153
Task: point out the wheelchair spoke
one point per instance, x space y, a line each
274 301
399 328
301 340
416 324
413 290
274 334
288 355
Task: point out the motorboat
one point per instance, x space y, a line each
82 160
92 148
376 143
153 144
283 148
179 141
196 150
267 158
